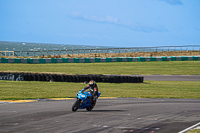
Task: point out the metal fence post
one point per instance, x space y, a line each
112 50
199 48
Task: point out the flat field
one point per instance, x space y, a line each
127 68
148 89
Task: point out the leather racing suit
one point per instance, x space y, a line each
93 91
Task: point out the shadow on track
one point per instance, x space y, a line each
108 111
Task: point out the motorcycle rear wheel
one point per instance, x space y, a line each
90 107
76 105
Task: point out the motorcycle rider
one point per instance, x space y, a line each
92 86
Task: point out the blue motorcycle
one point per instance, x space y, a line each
83 101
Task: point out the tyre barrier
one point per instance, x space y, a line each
70 78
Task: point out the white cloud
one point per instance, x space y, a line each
173 2
116 21
106 19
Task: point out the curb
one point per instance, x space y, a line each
17 101
50 99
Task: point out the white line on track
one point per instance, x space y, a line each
8 111
189 128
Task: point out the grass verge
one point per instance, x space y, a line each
143 68
194 131
16 90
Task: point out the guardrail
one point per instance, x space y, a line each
7 53
97 60
98 51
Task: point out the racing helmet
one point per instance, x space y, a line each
92 83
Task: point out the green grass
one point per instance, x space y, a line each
143 68
194 131
149 89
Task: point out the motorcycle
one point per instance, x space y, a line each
83 101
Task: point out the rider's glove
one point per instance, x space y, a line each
82 91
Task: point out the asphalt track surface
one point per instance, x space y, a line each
172 77
118 115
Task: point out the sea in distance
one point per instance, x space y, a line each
27 49
25 46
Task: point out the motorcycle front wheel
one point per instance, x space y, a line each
76 105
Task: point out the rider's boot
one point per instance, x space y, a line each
93 103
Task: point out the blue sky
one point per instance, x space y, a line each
120 23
